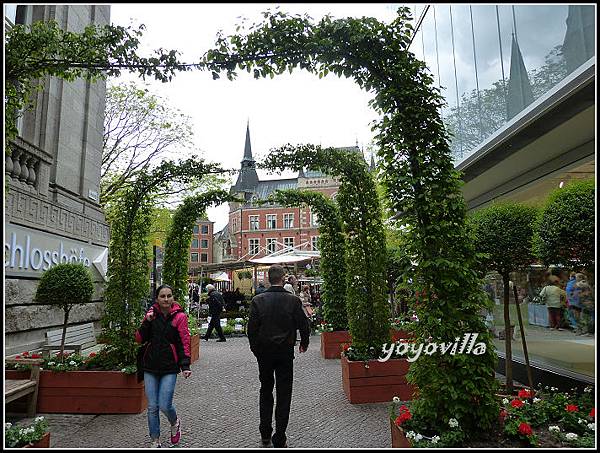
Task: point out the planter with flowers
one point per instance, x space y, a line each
540 418
400 327
86 385
332 341
35 435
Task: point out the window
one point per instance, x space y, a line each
271 221
195 229
194 258
315 243
204 229
288 221
204 244
314 219
204 257
288 242
271 245
253 245
194 243
253 222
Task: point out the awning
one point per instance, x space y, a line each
286 258
220 277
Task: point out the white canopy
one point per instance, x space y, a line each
222 277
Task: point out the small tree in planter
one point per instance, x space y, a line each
564 231
65 285
504 234
332 246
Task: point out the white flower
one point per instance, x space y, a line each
123 370
453 423
536 400
435 439
580 421
591 426
72 362
505 401
7 426
410 434
396 399
39 418
554 389
587 390
554 429
571 436
51 363
418 437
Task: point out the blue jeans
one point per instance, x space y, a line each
159 391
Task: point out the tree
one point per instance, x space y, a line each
332 246
33 52
564 231
65 285
140 128
504 234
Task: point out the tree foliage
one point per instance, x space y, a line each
179 238
422 185
65 285
130 218
366 301
332 246
564 232
42 49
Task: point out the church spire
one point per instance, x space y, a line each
247 177
247 146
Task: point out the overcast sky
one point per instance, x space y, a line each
300 108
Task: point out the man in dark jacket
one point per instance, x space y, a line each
215 307
275 315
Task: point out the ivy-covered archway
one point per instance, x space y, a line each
179 239
421 183
332 246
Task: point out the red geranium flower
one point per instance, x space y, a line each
17 357
92 354
25 354
517 403
403 408
571 408
346 347
525 393
404 416
503 413
525 429
593 412
36 356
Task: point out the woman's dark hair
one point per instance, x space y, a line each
160 288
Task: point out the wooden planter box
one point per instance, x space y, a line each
333 342
195 347
399 440
44 442
88 392
399 334
378 383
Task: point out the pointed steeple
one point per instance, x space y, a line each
520 94
247 178
578 45
372 165
301 173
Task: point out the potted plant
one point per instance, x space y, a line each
35 435
194 338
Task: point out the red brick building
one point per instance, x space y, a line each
256 231
201 249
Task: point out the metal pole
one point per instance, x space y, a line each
153 272
529 377
199 293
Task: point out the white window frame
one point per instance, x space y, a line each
269 218
285 242
192 257
314 219
207 229
204 261
313 242
288 220
251 248
254 222
196 246
273 242
202 241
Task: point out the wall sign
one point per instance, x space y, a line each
29 252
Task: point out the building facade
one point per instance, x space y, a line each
257 230
52 210
201 249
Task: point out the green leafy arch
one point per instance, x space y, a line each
332 245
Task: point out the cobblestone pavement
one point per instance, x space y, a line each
218 406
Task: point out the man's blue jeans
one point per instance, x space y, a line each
159 391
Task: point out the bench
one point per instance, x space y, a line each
17 388
77 338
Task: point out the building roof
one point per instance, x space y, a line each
266 188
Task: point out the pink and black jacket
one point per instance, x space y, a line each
168 341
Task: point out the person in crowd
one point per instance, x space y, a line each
555 299
275 315
195 295
306 301
586 300
260 288
165 338
215 307
289 288
573 305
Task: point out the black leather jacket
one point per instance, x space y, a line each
215 303
275 315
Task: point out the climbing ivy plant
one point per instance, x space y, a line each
179 239
332 246
366 298
420 181
129 216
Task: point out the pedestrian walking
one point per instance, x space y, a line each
555 299
588 316
275 315
165 338
215 307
